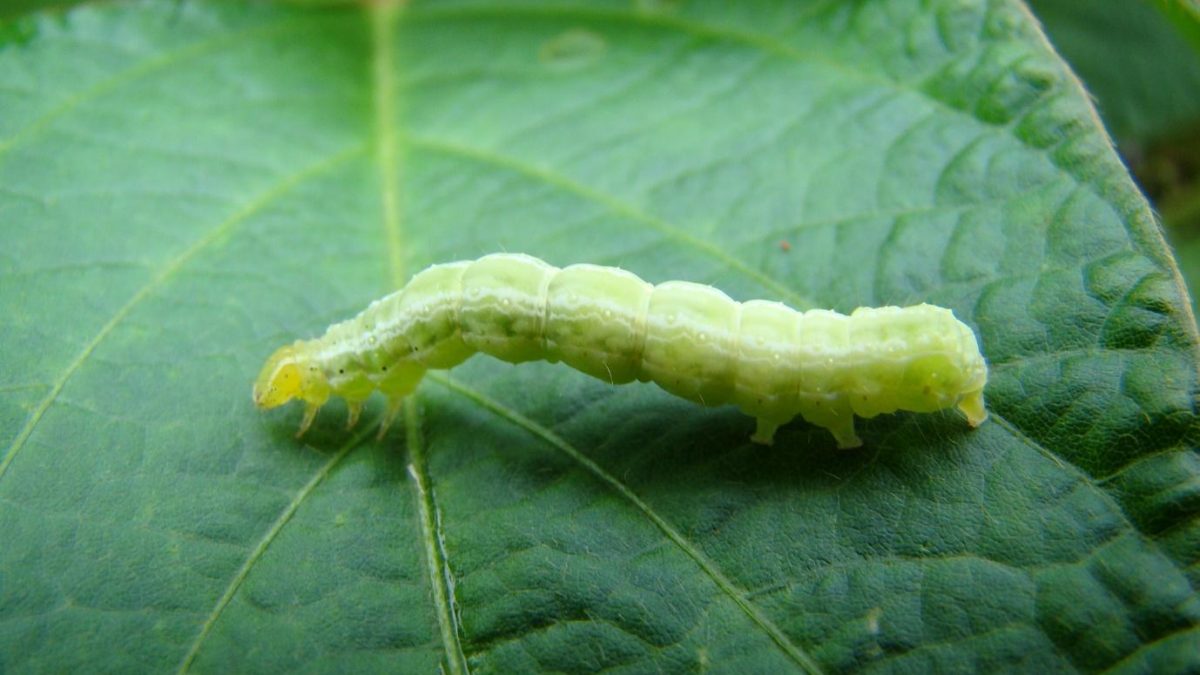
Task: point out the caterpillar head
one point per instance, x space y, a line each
289 373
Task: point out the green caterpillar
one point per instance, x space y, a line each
692 340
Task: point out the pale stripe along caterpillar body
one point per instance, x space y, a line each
772 361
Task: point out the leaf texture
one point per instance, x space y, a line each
184 186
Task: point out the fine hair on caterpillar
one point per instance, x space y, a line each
692 340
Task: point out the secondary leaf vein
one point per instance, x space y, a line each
617 206
133 73
165 273
706 565
257 552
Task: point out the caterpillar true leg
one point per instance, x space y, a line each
399 382
310 414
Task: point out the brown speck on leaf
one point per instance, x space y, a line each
785 245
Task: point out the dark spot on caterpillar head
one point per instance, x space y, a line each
385 369
341 371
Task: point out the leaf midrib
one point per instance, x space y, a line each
384 18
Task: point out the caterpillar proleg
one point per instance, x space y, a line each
692 340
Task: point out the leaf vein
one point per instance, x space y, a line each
260 202
615 205
706 565
1118 508
440 575
384 18
1146 645
257 552
133 73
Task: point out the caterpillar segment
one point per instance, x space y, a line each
771 361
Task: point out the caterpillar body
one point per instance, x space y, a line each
692 340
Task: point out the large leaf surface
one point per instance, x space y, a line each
184 186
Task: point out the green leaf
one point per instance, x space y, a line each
185 186
1139 58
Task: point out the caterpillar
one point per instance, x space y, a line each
692 340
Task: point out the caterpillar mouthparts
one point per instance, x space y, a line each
692 340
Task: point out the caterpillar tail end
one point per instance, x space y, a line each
972 407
